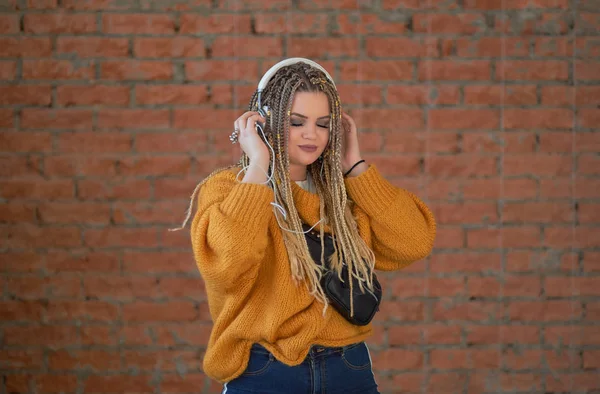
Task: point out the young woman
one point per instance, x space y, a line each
276 329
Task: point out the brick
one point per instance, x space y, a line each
226 70
448 24
16 212
537 212
9 24
571 286
119 237
101 189
460 166
363 94
56 118
538 118
530 70
39 95
119 383
176 47
93 46
500 142
6 118
72 360
59 23
365 23
588 164
397 359
383 70
587 22
82 262
295 23
416 4
21 359
467 261
322 47
456 213
401 47
138 24
389 118
544 311
160 165
516 237
133 119
587 47
241 46
541 165
515 4
41 4
214 23
487 47
70 166
450 310
586 71
204 118
57 70
140 311
443 70
253 5
172 94
95 5
82 95
171 142
136 70
94 142
180 384
21 311
422 94
32 236
589 118
25 47
518 334
553 47
8 70
461 119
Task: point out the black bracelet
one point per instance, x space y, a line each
350 170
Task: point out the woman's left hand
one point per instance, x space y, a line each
350 148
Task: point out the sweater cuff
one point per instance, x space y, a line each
250 204
371 191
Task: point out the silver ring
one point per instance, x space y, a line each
234 136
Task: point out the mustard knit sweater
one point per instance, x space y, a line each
252 297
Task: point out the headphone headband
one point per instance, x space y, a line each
269 74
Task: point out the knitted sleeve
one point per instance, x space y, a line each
229 229
402 228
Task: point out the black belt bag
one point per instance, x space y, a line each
338 293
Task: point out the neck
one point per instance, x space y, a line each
297 172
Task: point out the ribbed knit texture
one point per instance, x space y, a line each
252 297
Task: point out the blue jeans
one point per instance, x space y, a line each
331 370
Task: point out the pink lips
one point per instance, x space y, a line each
308 148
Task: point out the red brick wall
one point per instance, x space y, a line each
112 110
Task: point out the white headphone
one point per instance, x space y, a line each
286 62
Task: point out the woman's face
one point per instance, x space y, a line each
309 128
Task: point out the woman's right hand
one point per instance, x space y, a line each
249 139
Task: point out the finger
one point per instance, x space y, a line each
246 115
251 121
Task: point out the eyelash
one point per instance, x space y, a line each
302 124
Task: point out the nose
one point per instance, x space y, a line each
310 132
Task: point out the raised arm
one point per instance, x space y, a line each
229 230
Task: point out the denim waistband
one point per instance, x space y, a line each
315 350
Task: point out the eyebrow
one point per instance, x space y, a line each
306 117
